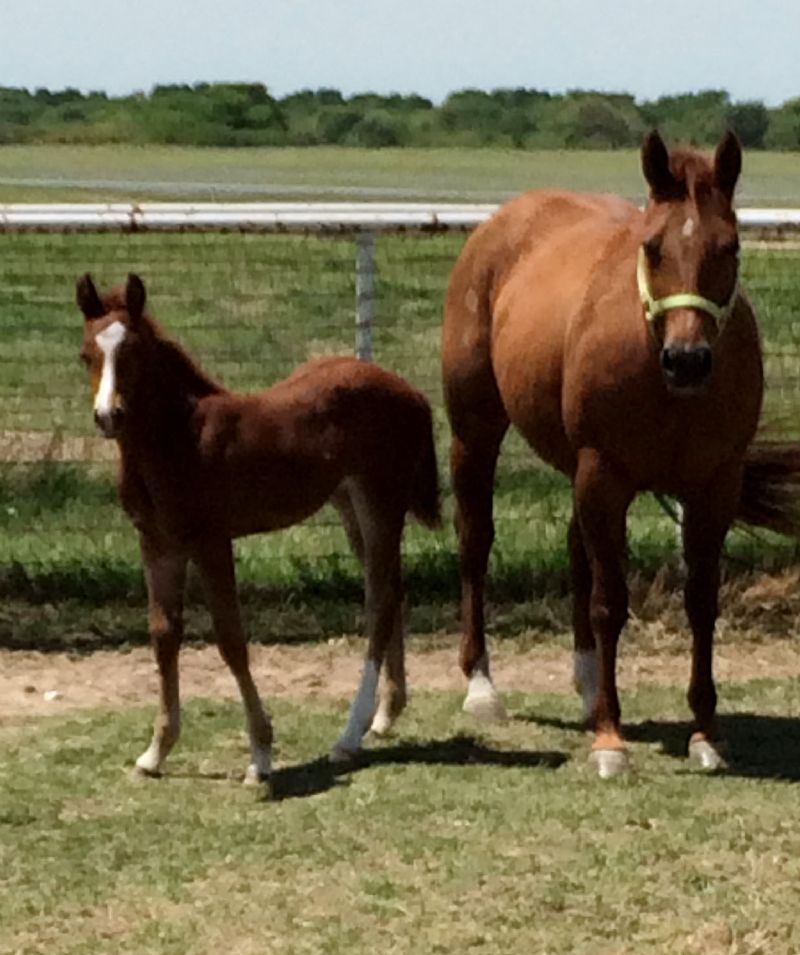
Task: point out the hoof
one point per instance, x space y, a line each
342 755
609 762
145 772
255 778
706 755
382 724
486 707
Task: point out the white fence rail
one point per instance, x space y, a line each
282 217
364 221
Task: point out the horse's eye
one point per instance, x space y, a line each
84 359
730 248
652 250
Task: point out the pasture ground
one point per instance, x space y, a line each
108 173
447 837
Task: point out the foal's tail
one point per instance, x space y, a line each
771 487
425 487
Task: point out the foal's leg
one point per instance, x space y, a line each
705 524
165 573
393 693
381 532
585 653
215 561
473 461
602 499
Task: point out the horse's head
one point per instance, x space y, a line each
689 259
114 330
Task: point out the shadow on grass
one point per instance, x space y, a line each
757 746
320 775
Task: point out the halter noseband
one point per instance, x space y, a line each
653 307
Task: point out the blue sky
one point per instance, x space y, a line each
646 47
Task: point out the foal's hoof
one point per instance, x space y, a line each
145 772
486 706
706 755
381 724
342 755
609 762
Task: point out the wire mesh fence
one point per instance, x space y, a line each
251 307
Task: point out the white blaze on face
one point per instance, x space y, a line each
108 341
688 228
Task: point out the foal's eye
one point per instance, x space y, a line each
84 359
730 248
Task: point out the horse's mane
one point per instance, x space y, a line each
176 364
693 171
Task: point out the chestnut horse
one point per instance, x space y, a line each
201 465
618 342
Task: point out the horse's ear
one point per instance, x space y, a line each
728 163
655 166
88 300
135 296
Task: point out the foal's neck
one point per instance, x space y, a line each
170 387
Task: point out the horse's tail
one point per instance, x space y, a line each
771 487
425 482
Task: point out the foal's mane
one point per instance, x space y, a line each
178 370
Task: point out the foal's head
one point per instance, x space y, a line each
689 259
114 331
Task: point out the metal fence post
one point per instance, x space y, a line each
365 294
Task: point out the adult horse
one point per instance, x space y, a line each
617 341
201 465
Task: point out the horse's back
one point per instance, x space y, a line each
289 447
520 279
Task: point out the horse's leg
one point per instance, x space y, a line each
602 499
215 562
381 525
165 573
393 694
705 524
585 649
473 461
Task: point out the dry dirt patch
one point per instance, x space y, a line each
29 680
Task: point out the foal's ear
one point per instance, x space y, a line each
135 296
728 163
655 166
87 298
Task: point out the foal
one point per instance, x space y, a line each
201 465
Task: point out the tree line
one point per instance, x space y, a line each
246 114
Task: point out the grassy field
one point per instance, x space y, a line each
252 308
442 840
53 173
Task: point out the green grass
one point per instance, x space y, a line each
342 173
442 840
251 308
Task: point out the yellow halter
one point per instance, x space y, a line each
653 307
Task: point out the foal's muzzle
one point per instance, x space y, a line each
686 367
109 423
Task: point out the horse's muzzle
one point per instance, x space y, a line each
686 367
109 423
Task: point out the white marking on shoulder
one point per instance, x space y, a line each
108 341
688 228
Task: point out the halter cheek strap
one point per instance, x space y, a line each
653 307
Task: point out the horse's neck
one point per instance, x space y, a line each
170 387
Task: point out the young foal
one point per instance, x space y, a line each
617 341
201 465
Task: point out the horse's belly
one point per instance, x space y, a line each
528 365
